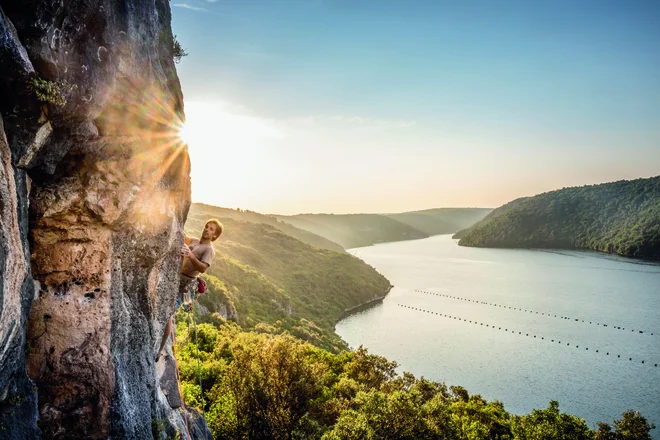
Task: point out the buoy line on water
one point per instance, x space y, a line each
507 330
519 309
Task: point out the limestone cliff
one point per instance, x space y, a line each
94 191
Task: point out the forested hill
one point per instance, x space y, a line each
263 278
619 217
490 217
356 230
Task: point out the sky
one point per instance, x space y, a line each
349 106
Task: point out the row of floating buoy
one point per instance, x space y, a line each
568 344
530 311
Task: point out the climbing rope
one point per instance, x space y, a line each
178 382
191 316
189 308
465 320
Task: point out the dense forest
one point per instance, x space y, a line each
357 230
263 350
620 217
267 386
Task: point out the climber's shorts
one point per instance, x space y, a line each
186 284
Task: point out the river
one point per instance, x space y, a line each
520 326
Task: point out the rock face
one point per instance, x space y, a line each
18 400
91 105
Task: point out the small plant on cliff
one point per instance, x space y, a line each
52 92
178 51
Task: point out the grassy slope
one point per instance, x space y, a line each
620 217
274 279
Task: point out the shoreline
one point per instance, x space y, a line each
360 307
629 258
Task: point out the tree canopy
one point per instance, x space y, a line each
620 217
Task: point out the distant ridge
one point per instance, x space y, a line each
441 220
201 210
619 217
357 230
344 231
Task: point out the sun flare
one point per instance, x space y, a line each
184 134
225 147
213 126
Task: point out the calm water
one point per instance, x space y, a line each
522 371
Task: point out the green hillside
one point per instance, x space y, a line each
441 220
276 370
619 217
201 210
492 215
272 279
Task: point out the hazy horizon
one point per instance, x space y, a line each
407 210
333 106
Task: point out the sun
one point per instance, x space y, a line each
184 134
225 147
213 126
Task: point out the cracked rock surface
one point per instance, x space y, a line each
94 192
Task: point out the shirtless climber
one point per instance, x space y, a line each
197 257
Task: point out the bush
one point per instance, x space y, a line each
52 92
178 51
